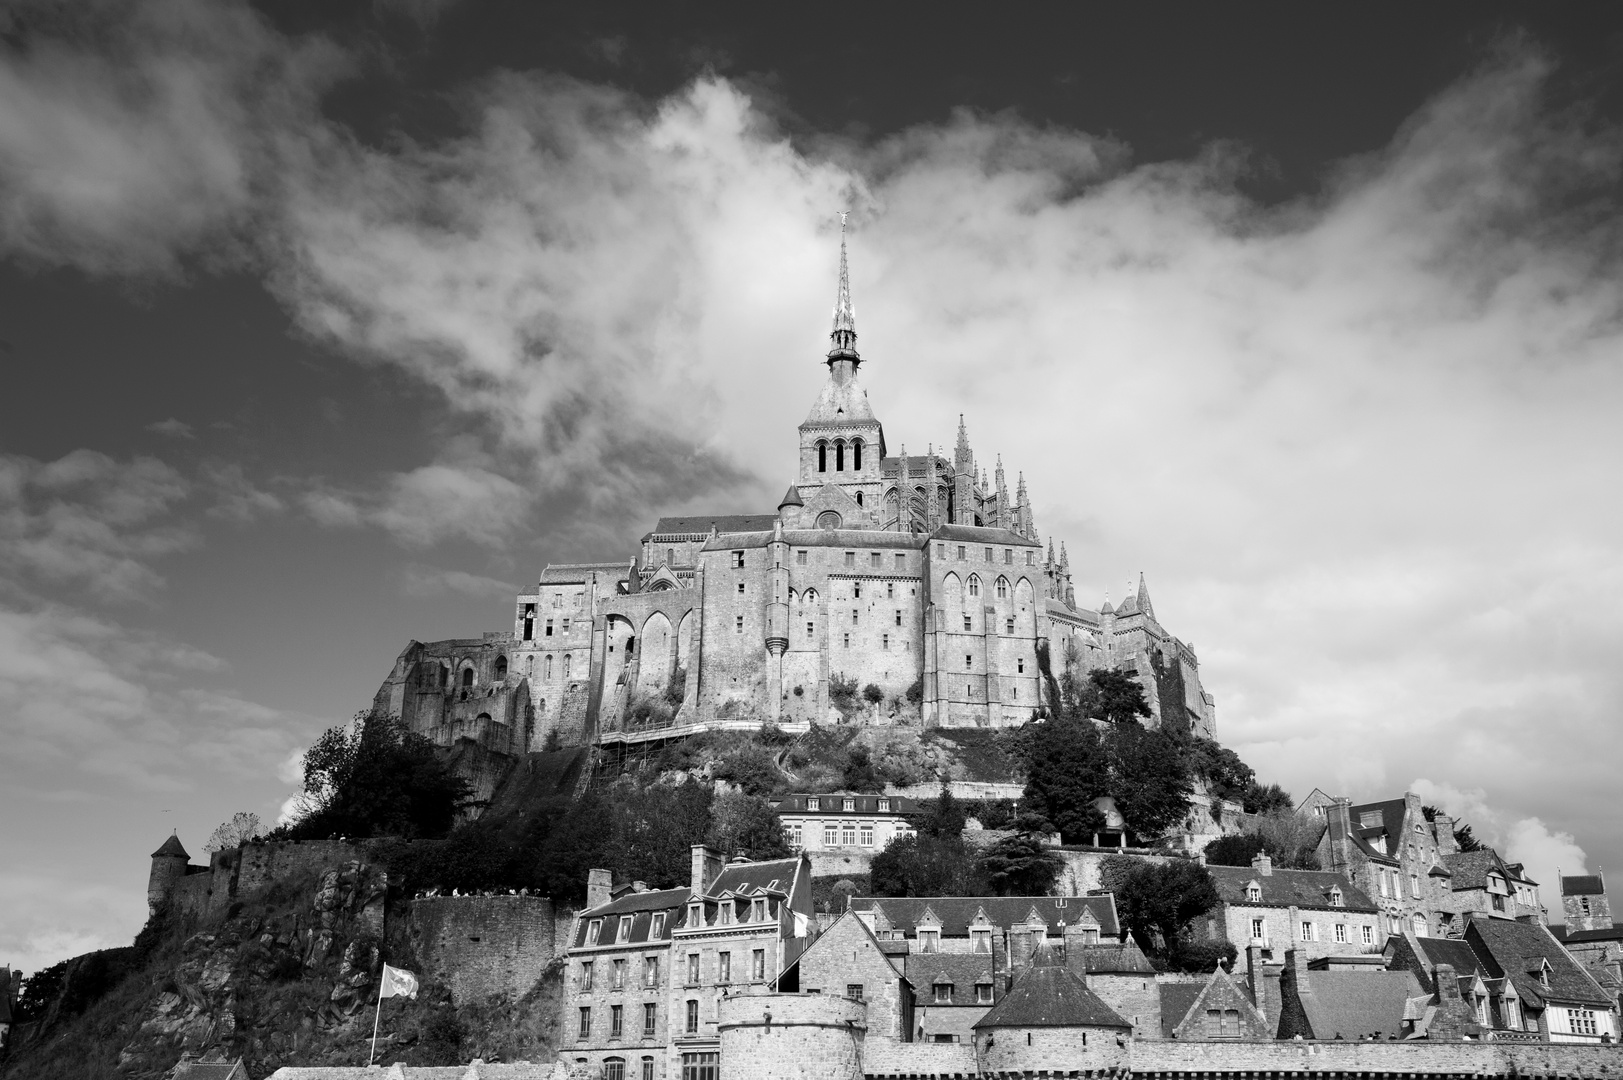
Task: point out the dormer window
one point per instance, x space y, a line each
884 806
1335 898
695 914
658 929
1253 893
725 911
850 804
929 941
594 929
759 910
814 803
625 928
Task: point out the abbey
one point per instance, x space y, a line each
913 579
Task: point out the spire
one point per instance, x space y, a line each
1065 560
1144 604
1105 608
843 337
963 438
1050 551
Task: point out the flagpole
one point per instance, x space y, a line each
377 1016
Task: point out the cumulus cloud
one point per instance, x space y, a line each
1547 853
419 580
172 428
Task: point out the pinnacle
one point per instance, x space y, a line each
844 334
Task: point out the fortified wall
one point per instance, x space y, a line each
481 946
208 890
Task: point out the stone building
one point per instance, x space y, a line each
1589 933
1050 1022
1213 1010
916 574
1481 883
1012 927
647 970
1395 856
1316 912
841 831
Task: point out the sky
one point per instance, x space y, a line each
325 325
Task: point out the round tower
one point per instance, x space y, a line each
168 866
791 1037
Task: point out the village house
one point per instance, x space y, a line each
1396 856
841 831
1589 933
1317 912
1481 883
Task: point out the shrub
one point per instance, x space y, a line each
676 687
872 694
842 692
915 692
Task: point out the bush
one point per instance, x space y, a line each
750 767
872 694
915 692
676 686
842 692
1020 866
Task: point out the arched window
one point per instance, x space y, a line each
614 1069
856 453
567 658
859 497
822 457
974 585
829 519
1002 588
467 677
501 667
809 596
839 455
548 673
529 666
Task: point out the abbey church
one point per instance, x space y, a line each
913 579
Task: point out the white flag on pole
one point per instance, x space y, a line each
397 983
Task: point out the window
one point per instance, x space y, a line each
884 806
1020 665
693 969
724 914
724 968
884 641
856 458
814 803
1008 625
593 930
867 834
974 585
758 965
855 614
567 658
853 991
738 624
944 1037
969 662
988 554
585 1022
898 616
700 1066
800 558
901 561
758 909
943 993
822 457
650 971
831 834
1222 1023
1336 898
692 1028
967 624
1002 588
856 594
619 975
1341 933
1307 931
566 625
649 1010
647 1068
961 555
929 941
845 641
1367 934
658 929
876 559
1414 884
848 805
848 834
982 940
467 676
983 993
851 558
740 588
811 631
624 933
1582 1021
1008 556
586 975
738 560
1258 932
616 1021
793 835
1031 558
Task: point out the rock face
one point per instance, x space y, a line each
322 959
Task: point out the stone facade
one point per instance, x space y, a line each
482 946
847 960
1319 913
915 574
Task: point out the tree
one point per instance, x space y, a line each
1148 778
1234 850
376 778
859 773
1067 771
1292 839
943 817
1114 694
243 827
1158 901
746 824
1020 865
1464 839
926 865
1226 776
1258 799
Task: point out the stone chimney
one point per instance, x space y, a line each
1338 834
706 867
1297 959
1454 1018
1262 864
1263 978
1443 826
599 886
639 886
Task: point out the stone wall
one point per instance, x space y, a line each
481 946
791 1037
899 1059
1083 872
1051 1049
1414 1059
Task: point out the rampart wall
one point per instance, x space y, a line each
482 946
1412 1059
791 1037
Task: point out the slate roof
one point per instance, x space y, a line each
641 905
743 879
866 539
172 846
1582 885
1176 1001
1613 934
834 803
791 498
1286 888
979 534
1383 836
1046 995
1470 868
702 525
957 912
1515 949
1455 952
1353 1004
577 573
962 970
1112 958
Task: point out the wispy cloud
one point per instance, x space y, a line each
172 428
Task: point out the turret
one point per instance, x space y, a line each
777 616
168 866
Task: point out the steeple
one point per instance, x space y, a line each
1065 560
1144 604
843 337
963 439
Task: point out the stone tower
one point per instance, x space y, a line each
1583 901
842 444
168 866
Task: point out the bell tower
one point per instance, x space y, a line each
842 443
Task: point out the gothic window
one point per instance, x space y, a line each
839 455
567 659
467 677
810 596
974 585
856 459
501 667
1002 588
822 457
548 669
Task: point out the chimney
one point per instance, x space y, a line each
1338 834
1263 977
706 867
1263 865
1454 1018
1297 959
639 886
599 884
1443 826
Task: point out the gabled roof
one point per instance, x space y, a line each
1583 885
702 525
1286 888
1470 868
980 534
641 906
962 970
1176 1001
958 912
578 573
1353 1004
745 878
1111 958
172 846
1046 995
1455 952
1518 950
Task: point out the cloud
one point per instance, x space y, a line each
459 497
237 498
87 520
419 580
172 428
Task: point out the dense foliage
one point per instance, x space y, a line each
243 827
1158 902
938 861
